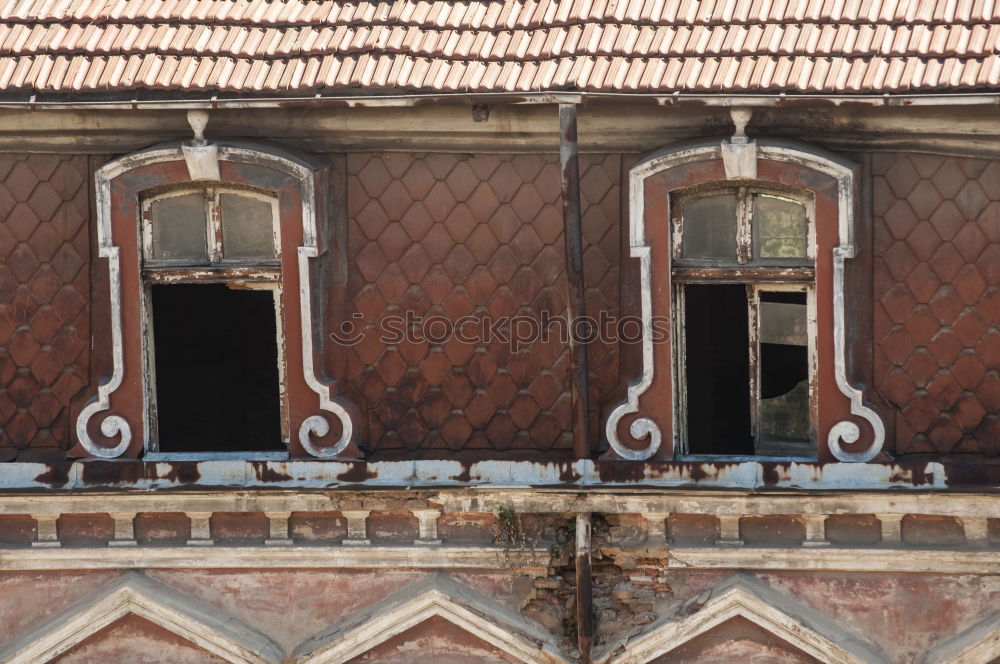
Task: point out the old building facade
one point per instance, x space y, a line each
499 331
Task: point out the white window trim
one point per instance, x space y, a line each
113 424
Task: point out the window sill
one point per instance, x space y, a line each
215 456
734 458
252 472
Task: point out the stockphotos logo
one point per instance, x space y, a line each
517 332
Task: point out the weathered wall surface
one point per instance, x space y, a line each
447 236
902 617
137 641
937 301
481 235
44 300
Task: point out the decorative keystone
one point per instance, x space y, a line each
739 154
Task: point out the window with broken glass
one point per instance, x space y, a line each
212 278
743 274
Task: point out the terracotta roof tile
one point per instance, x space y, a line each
294 47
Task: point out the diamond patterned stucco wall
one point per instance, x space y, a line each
457 235
44 298
937 301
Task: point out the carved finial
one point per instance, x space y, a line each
739 154
202 159
741 117
198 120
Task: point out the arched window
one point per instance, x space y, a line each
742 251
218 258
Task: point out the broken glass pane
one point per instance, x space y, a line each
783 412
781 227
710 227
247 227
178 225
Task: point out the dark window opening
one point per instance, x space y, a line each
717 369
216 360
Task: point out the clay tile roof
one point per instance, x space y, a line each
275 48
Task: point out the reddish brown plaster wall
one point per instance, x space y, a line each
453 235
736 640
44 300
937 301
137 641
435 640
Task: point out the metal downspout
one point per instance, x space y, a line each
569 160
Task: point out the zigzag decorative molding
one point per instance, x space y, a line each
741 596
133 593
980 644
434 596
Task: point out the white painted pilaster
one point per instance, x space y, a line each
656 527
976 531
428 520
279 534
48 534
124 529
729 530
892 534
357 527
815 530
201 529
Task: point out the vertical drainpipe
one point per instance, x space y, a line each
569 159
584 589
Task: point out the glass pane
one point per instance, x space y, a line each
783 323
783 413
710 227
247 227
178 225
781 227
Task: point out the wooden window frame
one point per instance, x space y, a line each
240 274
769 275
213 230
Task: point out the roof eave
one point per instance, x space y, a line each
405 100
